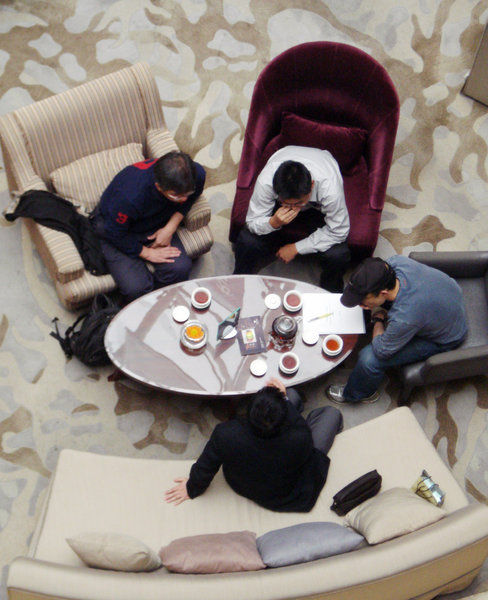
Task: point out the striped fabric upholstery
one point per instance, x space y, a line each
199 215
84 180
196 243
104 113
159 143
41 143
79 292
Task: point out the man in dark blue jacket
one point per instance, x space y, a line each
137 219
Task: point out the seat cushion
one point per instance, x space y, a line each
83 181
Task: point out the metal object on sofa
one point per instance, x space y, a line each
67 144
340 99
470 270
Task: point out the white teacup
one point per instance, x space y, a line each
201 297
332 344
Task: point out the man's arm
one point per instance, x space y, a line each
389 339
164 235
336 220
201 474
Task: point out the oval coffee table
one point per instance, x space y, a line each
143 340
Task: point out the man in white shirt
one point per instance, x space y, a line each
297 207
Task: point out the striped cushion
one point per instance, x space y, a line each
83 181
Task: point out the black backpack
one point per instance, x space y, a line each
85 338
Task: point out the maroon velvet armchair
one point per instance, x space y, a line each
330 96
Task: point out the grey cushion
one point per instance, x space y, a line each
305 542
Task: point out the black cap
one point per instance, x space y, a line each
371 275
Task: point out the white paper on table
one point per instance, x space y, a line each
341 320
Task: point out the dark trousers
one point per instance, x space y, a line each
133 276
253 251
324 422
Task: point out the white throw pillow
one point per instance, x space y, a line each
391 514
84 180
114 551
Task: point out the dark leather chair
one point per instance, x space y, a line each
331 96
470 270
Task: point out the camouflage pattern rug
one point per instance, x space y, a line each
206 56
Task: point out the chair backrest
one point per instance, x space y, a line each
105 113
326 82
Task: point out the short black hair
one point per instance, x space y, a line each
267 411
176 171
292 180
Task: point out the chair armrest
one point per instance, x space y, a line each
455 264
58 251
461 362
199 214
159 142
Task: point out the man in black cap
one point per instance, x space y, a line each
425 316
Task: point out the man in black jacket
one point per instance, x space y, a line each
274 456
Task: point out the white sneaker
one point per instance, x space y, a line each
335 393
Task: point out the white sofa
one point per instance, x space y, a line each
91 492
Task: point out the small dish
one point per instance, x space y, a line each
289 363
272 301
180 313
201 298
310 337
332 344
258 367
293 301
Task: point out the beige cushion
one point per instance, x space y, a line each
83 181
213 553
114 551
391 514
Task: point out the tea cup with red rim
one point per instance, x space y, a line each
201 298
289 363
332 344
293 301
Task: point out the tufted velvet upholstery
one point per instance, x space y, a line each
325 82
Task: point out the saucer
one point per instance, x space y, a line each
310 337
258 367
272 301
180 313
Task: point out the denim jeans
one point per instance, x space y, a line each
324 422
370 370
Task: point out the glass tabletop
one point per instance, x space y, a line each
144 339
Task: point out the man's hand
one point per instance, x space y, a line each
277 383
287 253
162 237
178 493
283 216
166 254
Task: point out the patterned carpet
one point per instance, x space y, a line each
206 55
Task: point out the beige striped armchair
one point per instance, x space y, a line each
73 144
